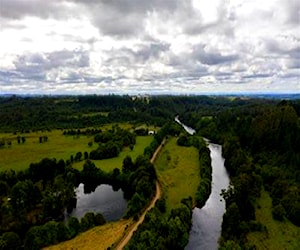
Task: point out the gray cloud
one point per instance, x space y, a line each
36 65
17 9
293 11
125 18
212 58
141 54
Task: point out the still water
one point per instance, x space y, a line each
103 200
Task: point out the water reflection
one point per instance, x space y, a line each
103 200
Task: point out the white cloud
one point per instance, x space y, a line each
127 46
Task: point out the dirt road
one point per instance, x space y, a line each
134 227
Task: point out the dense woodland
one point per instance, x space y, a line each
260 139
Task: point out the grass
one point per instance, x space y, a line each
178 172
110 164
279 235
19 156
100 237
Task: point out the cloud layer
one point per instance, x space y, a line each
140 46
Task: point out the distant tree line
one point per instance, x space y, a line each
25 114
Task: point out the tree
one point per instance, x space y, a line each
10 241
278 212
231 222
74 226
78 156
24 195
34 239
88 221
128 165
99 219
3 188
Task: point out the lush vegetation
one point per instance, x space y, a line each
274 234
162 230
38 195
260 139
261 148
116 162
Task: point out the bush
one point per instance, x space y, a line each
278 212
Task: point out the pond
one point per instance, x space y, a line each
111 204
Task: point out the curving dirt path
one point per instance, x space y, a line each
157 196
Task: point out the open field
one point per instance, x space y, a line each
19 156
100 237
110 164
279 235
178 172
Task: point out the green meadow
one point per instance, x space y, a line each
19 156
278 235
109 164
178 172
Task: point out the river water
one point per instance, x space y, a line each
207 221
111 204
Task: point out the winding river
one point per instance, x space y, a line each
207 221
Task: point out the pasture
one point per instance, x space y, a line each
178 171
19 156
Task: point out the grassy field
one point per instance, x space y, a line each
279 235
178 172
110 164
100 237
19 156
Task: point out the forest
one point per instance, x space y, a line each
260 138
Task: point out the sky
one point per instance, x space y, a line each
149 47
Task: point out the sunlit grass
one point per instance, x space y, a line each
100 237
178 171
279 235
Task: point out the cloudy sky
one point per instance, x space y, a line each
149 46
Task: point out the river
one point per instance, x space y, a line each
111 204
207 221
